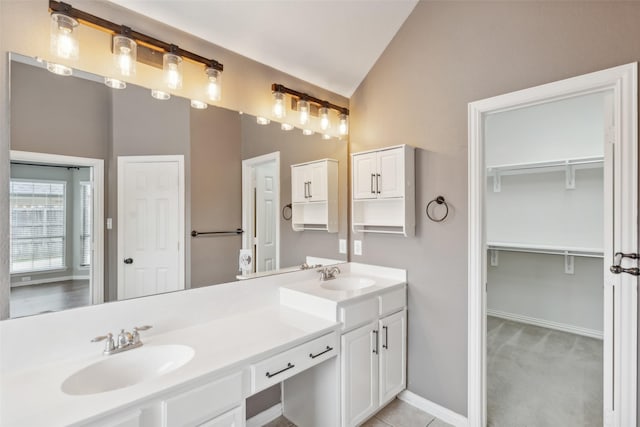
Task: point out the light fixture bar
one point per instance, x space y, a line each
143 39
304 96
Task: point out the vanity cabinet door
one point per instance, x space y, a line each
359 374
299 184
364 176
393 355
233 418
390 179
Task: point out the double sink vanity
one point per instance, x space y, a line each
337 346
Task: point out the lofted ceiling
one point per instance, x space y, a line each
330 43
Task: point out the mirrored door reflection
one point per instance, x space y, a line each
545 232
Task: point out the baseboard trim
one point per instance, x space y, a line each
446 415
265 417
592 333
49 280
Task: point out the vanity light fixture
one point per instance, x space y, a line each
326 136
64 43
286 126
279 104
59 69
307 132
198 105
128 46
125 53
160 94
262 120
114 83
308 105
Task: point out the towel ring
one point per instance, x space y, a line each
284 215
439 200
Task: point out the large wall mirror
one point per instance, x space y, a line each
116 195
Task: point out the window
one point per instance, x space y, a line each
37 225
85 224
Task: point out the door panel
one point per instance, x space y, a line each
318 185
393 355
364 175
299 179
391 173
266 217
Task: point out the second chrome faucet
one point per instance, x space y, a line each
125 340
328 273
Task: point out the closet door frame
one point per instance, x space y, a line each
621 185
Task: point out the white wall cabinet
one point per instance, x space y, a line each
314 196
383 188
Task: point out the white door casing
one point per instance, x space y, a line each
266 217
151 225
621 235
97 209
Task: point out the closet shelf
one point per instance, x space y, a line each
522 168
546 249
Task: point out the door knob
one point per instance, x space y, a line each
128 260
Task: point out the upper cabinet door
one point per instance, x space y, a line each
299 184
317 189
364 176
390 175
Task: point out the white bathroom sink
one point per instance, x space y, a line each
347 283
127 368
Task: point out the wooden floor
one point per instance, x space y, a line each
35 299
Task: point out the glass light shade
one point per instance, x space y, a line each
64 43
303 109
125 54
198 105
279 105
262 120
160 94
114 83
286 126
307 132
326 136
343 126
214 85
324 118
172 68
59 69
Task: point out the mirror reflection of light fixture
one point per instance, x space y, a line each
326 136
343 125
160 94
307 132
262 120
59 69
198 105
114 83
279 105
172 68
324 118
214 85
286 126
125 53
64 43
303 109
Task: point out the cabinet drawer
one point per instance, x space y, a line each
288 363
393 301
202 403
233 418
359 313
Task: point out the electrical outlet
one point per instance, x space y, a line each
342 243
109 223
357 247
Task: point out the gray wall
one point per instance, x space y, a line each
446 55
295 148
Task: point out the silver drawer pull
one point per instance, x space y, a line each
313 356
289 366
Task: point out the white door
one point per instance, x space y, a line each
266 217
359 374
318 182
364 176
150 225
299 184
390 179
393 355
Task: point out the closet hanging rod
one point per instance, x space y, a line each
547 250
237 231
550 164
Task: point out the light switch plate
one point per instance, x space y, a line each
109 223
357 247
342 243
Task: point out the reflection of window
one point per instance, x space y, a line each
37 225
85 224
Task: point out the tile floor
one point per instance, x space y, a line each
395 414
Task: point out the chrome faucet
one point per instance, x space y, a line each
125 341
306 266
327 273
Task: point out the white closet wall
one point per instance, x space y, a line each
545 194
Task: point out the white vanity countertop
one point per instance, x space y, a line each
33 397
